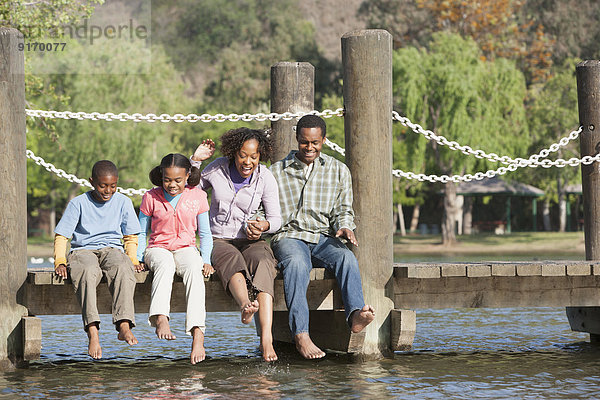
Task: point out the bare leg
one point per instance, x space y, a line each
94 349
163 329
198 352
361 318
239 291
265 315
306 347
125 333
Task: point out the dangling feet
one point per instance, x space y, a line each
267 350
94 349
198 353
125 333
361 318
163 329
307 348
248 311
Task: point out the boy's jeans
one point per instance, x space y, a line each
296 259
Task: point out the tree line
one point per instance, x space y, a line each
494 74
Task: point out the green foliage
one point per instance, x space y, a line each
37 19
553 115
573 24
450 90
234 43
134 147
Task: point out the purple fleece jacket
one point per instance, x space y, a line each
229 210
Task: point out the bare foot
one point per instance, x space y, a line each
248 311
361 318
125 333
198 353
163 329
94 349
267 350
307 348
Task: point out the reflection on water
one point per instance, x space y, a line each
458 353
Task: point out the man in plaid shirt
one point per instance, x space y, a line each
315 193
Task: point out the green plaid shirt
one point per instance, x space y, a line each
320 205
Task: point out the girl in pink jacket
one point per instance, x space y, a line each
175 209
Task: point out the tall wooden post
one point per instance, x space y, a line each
367 68
292 90
588 97
13 200
584 319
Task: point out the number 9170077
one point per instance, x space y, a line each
41 46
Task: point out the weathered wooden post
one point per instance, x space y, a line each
585 319
367 74
588 97
292 90
13 201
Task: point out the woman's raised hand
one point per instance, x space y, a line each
204 151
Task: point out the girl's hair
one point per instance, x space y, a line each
233 140
174 160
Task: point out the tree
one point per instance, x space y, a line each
134 147
225 48
35 19
451 90
500 28
572 25
553 114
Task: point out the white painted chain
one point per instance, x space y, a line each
335 147
512 164
72 178
560 163
137 117
533 160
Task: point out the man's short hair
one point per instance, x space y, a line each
104 168
311 121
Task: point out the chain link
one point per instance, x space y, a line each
72 178
137 117
335 147
546 163
535 160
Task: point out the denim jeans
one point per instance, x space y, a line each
297 257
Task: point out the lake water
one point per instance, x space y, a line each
457 353
527 353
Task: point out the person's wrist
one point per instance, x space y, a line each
195 162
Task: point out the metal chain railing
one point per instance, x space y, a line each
512 164
482 154
74 179
137 117
573 162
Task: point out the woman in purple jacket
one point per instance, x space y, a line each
242 259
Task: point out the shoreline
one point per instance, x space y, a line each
569 243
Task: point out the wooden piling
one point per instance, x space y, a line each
292 90
13 200
367 74
588 97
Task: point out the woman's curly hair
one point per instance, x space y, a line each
233 140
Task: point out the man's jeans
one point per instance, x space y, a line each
294 259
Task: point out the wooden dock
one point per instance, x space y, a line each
572 284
